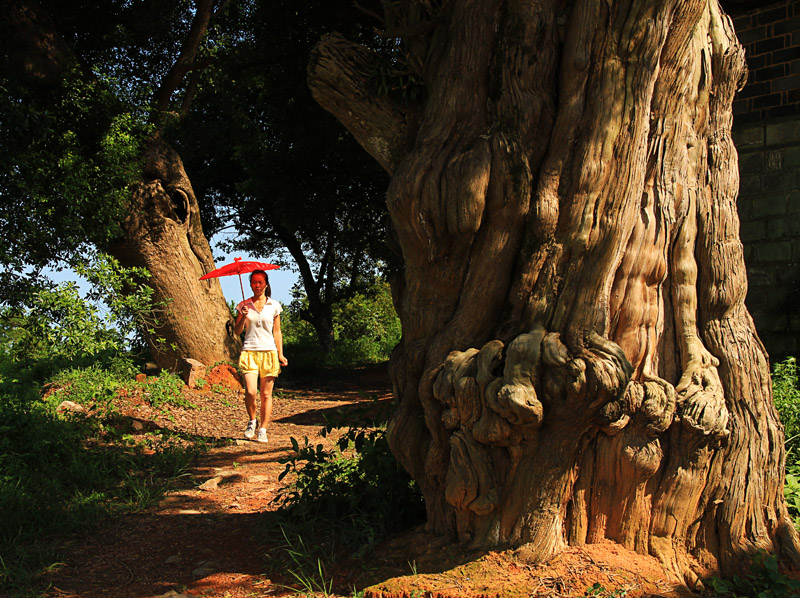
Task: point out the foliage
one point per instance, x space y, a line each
365 330
347 498
336 484
55 328
165 389
61 473
600 591
268 160
65 167
763 581
786 394
791 490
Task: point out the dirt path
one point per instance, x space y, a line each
203 539
206 540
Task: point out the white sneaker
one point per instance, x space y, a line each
262 435
250 430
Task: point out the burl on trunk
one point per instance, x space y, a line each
577 362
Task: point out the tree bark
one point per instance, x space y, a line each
163 234
577 362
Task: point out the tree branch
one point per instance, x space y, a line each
339 78
185 61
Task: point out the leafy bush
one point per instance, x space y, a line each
345 499
786 394
165 389
359 478
365 330
59 474
763 581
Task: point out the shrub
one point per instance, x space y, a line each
786 394
345 499
764 580
365 330
62 473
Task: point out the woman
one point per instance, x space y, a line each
262 351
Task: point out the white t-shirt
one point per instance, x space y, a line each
258 329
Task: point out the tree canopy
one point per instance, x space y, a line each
272 165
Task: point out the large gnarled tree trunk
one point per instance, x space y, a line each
163 234
577 362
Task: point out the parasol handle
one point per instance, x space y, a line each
240 284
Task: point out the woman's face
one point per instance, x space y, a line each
258 283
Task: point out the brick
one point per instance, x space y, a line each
786 132
786 83
793 201
769 72
787 276
794 67
753 117
786 55
757 62
741 23
761 276
796 38
750 184
752 162
773 160
749 137
779 227
753 230
769 101
784 111
775 204
740 107
769 45
752 90
744 206
778 181
788 26
772 16
776 322
751 36
791 156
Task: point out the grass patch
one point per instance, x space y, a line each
340 502
64 473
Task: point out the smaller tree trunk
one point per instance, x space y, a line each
163 233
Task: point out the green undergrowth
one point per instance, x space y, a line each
764 580
340 502
64 472
786 394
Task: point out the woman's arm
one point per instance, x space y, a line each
278 336
241 320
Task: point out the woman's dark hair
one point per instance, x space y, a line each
268 289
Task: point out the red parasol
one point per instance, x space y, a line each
238 267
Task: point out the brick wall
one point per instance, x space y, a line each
771 37
767 136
